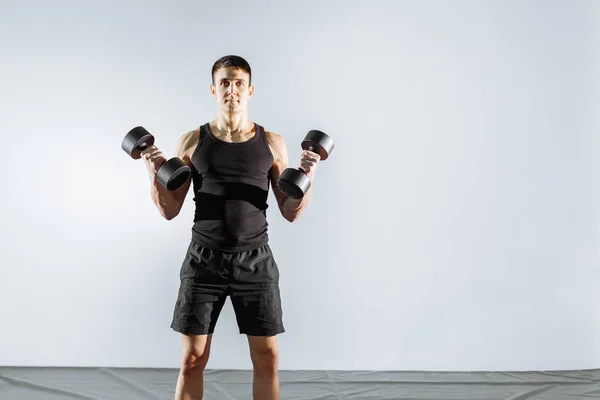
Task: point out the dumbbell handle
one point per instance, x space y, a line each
147 150
310 148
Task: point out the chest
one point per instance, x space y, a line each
246 159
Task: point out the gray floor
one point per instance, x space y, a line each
147 384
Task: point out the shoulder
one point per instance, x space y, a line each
187 143
276 143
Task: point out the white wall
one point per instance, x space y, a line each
455 226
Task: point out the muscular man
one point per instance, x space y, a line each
233 161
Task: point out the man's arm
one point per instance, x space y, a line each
168 202
290 209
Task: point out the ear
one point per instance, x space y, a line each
250 90
213 90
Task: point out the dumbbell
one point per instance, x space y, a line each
293 182
172 174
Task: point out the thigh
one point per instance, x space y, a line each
255 296
202 292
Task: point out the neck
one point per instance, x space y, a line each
233 124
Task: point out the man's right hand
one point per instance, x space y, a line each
153 158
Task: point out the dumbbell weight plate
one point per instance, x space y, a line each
318 142
293 182
137 140
173 173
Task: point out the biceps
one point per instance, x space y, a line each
182 191
275 174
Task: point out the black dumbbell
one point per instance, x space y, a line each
293 182
172 174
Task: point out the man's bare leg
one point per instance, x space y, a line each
264 352
190 383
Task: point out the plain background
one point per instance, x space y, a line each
455 226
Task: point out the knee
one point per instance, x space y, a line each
265 361
194 360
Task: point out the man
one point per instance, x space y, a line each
233 160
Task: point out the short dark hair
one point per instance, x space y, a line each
231 61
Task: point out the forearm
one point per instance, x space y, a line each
292 208
166 201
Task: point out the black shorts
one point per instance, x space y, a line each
250 278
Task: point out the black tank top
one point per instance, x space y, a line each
231 187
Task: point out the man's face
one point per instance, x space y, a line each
231 89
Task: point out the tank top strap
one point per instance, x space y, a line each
261 131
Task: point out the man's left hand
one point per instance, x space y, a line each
308 162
